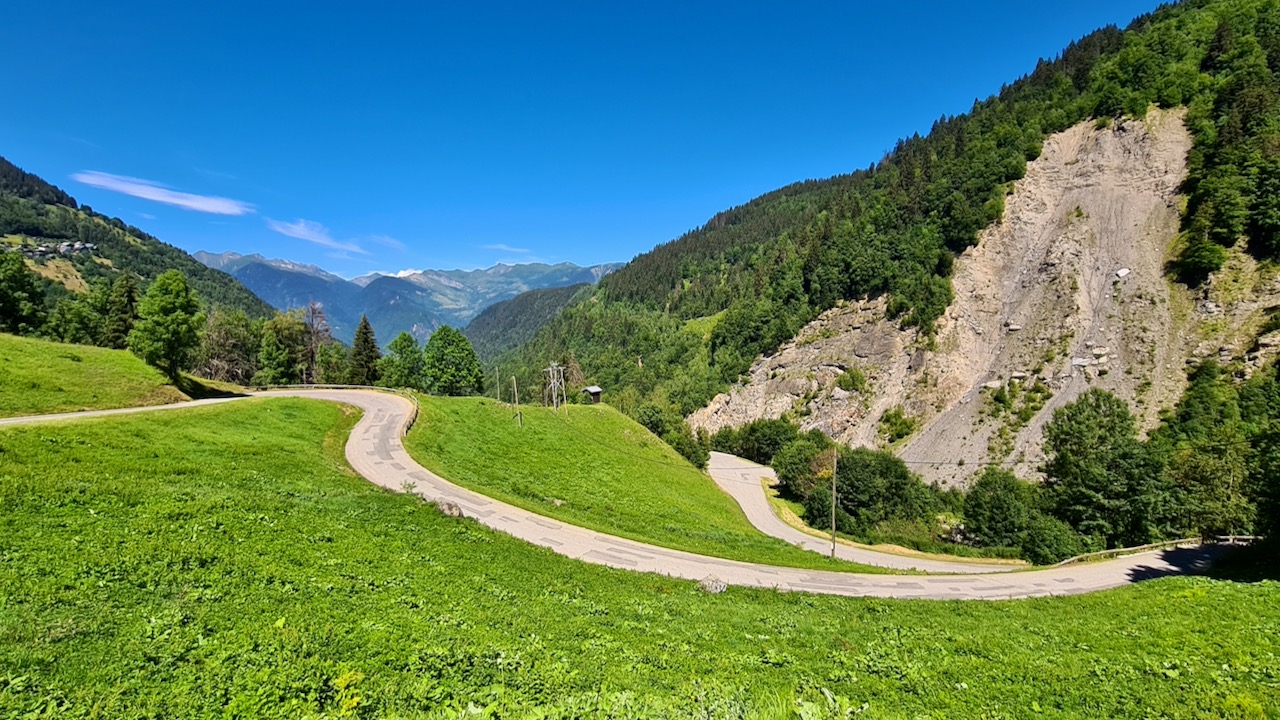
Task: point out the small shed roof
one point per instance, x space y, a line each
593 389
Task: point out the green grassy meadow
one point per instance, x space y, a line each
40 377
224 563
597 468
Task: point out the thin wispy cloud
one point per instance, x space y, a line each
154 191
522 260
314 232
213 174
75 139
506 248
388 242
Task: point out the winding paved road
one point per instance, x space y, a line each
741 479
376 452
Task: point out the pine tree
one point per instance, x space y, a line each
273 362
122 311
364 355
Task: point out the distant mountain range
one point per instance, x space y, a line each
416 301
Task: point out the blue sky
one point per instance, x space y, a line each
367 137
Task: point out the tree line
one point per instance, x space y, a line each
168 327
1211 468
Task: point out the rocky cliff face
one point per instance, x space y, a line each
1067 292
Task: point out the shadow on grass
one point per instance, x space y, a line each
1253 563
199 389
1223 562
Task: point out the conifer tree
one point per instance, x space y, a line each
273 362
364 355
122 311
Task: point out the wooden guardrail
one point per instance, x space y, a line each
1236 539
1126 551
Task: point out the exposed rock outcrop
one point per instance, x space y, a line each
1067 292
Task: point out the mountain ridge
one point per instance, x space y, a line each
413 301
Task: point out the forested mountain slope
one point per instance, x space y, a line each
678 324
1066 293
511 322
36 215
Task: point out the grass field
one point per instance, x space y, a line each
596 468
39 377
222 562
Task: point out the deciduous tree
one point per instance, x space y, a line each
451 365
168 324
403 365
998 508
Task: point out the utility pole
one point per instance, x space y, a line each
555 387
497 386
515 397
835 466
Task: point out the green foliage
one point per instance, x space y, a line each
1101 480
291 331
39 376
673 430
896 425
403 365
82 319
15 181
230 346
362 368
1206 450
451 365
1048 540
757 441
21 301
1235 122
872 487
505 325
306 589
852 380
274 367
168 324
796 463
683 440
332 363
998 508
121 312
